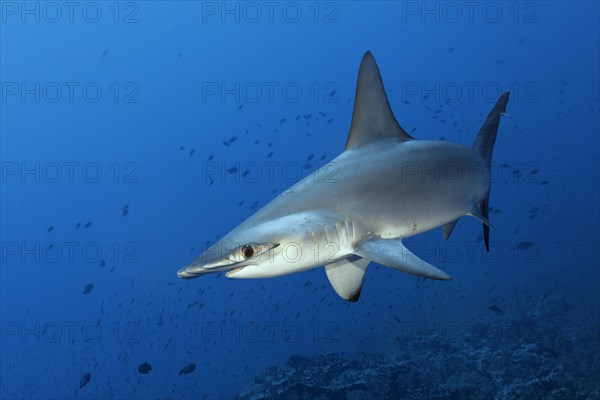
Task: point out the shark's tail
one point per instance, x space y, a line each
484 144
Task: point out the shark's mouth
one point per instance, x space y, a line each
233 271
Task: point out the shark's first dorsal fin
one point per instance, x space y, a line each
372 117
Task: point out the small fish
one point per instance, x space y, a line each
329 120
322 113
307 166
232 170
88 224
78 225
233 139
496 309
257 142
450 49
125 210
88 288
522 41
85 379
102 262
270 155
500 61
282 120
104 53
188 369
191 153
525 245
310 157
226 143
307 116
240 107
50 228
144 368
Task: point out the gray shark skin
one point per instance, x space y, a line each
385 186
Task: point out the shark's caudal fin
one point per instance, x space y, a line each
372 117
484 145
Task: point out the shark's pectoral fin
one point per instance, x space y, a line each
447 229
393 254
346 276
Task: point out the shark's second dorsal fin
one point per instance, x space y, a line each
372 117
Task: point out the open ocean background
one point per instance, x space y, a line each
126 130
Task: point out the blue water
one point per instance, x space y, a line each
102 104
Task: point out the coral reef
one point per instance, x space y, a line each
538 357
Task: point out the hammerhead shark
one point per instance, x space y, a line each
385 186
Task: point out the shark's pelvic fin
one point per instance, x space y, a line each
346 276
481 213
393 254
448 228
372 117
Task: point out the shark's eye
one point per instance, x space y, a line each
247 251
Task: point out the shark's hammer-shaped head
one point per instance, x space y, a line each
228 256
273 248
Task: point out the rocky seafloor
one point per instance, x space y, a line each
545 357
